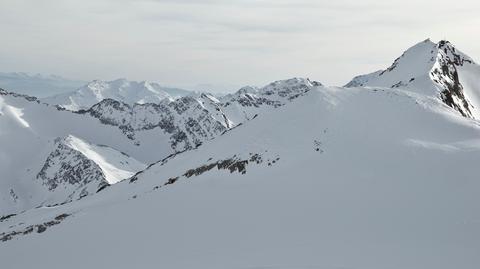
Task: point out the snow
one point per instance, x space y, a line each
40 170
129 92
368 199
14 112
414 63
469 76
299 176
115 165
433 69
27 134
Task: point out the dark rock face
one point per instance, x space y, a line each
24 96
65 165
443 62
250 100
185 120
39 228
445 75
70 172
6 217
190 121
234 164
275 94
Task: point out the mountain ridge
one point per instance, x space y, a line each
123 90
146 132
432 68
325 172
294 174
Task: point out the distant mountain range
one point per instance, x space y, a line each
437 69
380 173
38 85
128 92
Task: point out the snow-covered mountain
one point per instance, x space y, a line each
337 178
191 120
48 155
129 92
57 149
75 169
434 69
290 175
37 85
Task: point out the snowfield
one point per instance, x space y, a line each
300 176
435 69
115 165
129 92
334 184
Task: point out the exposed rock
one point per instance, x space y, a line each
445 75
39 228
77 175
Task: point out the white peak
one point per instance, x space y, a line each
209 97
414 64
291 84
427 42
449 50
129 92
293 81
115 165
434 69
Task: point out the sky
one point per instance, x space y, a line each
223 45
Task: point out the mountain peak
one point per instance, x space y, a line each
435 69
123 90
295 81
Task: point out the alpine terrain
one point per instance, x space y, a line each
380 173
129 92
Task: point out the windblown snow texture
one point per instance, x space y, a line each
380 174
434 69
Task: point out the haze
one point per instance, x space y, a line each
222 45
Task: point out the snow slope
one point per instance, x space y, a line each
33 134
58 149
381 174
76 168
193 119
37 85
114 164
437 69
129 92
337 178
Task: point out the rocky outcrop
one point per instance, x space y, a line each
445 74
429 68
24 96
69 175
191 120
38 228
185 120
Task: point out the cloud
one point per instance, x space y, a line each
224 42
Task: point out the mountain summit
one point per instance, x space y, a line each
290 175
437 69
129 92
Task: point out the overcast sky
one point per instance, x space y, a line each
227 43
